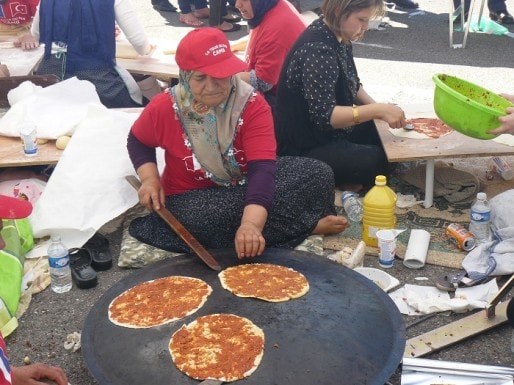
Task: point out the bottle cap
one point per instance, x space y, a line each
482 196
380 180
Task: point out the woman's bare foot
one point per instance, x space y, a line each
190 19
331 224
202 13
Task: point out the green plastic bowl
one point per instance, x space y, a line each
466 107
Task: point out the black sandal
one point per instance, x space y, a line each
98 248
81 271
233 19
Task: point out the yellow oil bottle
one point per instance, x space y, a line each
379 210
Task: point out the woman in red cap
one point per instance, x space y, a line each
221 178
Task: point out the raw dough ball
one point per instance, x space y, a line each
41 141
62 142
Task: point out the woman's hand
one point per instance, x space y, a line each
507 123
151 194
392 114
35 373
26 42
249 241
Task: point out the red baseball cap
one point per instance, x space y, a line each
207 50
14 208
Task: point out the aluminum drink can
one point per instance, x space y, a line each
460 236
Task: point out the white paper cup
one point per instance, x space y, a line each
417 249
387 246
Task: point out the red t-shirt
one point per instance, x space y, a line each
5 368
271 40
159 126
16 12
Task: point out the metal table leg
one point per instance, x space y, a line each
429 184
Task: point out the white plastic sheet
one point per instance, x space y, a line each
88 186
56 110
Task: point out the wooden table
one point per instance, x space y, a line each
18 61
11 150
453 145
11 153
161 63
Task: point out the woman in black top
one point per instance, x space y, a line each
322 110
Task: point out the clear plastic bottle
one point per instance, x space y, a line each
480 218
352 205
59 262
379 211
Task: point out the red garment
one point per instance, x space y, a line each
159 126
271 40
16 12
5 368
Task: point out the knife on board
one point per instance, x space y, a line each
181 231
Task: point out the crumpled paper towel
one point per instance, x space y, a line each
56 110
416 300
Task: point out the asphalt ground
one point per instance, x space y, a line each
395 64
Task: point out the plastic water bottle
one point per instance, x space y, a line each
352 205
379 211
480 218
59 262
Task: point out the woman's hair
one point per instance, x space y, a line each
334 11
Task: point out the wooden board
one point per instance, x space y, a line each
20 62
453 145
454 332
11 153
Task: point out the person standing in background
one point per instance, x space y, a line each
497 11
163 6
15 21
79 37
274 27
192 17
219 17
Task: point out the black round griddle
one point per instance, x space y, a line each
345 330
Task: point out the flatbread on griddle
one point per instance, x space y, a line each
159 301
222 347
273 283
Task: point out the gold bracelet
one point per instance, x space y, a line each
355 114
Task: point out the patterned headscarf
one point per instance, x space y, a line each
210 131
260 7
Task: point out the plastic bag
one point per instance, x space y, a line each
17 235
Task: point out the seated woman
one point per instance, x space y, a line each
274 27
322 110
80 41
221 177
15 21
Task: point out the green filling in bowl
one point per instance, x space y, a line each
466 107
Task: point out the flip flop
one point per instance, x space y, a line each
235 27
190 20
232 18
98 247
81 271
459 280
